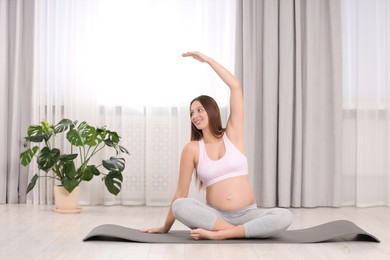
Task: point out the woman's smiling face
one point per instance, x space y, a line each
198 115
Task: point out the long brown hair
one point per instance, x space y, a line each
212 109
213 112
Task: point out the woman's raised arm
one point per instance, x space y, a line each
235 124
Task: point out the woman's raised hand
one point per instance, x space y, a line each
196 55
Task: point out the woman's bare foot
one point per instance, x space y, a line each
200 233
236 232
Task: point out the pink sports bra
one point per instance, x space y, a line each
233 163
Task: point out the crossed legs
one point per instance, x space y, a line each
209 223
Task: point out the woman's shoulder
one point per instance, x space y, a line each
191 151
191 147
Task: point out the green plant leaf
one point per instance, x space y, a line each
114 164
67 157
113 182
101 131
48 158
32 183
109 143
75 138
123 149
94 170
36 134
93 139
64 125
34 130
26 156
81 136
118 148
47 128
69 169
89 134
69 184
88 173
36 138
113 136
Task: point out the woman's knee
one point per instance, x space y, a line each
181 204
286 217
275 220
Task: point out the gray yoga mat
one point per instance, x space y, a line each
340 230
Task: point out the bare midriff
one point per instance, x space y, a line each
230 194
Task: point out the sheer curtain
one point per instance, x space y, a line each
16 57
289 53
366 102
118 63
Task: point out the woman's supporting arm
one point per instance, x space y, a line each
186 169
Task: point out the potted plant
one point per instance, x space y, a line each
70 169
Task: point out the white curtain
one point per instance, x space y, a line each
16 56
118 63
366 104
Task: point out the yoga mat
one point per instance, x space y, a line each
340 230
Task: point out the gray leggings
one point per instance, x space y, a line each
257 223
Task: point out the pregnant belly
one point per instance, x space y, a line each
230 194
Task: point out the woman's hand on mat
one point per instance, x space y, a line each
196 55
154 230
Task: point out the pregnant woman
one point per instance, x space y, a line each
217 156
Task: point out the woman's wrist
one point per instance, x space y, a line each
166 229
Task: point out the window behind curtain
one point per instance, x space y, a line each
366 101
118 63
129 52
